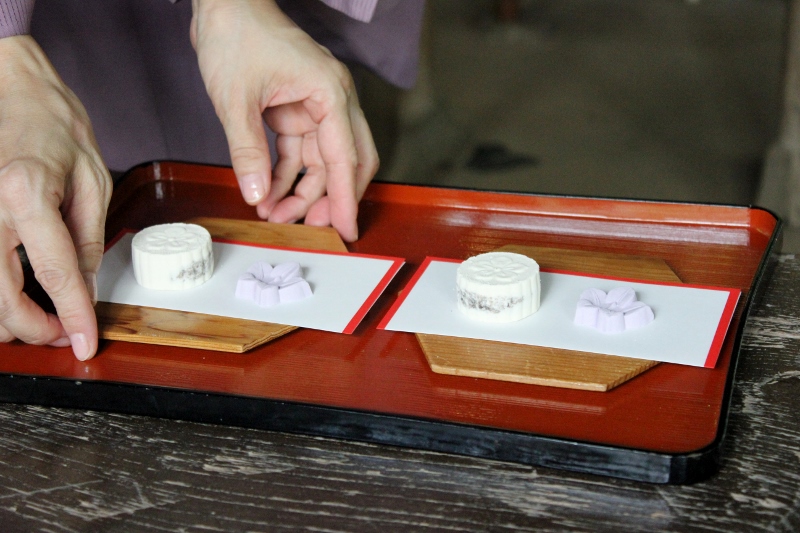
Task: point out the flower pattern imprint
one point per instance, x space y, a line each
174 238
494 269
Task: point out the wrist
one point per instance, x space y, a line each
225 15
20 53
203 8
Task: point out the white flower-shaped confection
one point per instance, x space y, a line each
268 286
172 256
614 312
498 287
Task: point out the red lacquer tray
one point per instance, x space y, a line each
665 426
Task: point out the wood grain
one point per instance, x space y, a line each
537 365
73 470
599 263
167 327
281 235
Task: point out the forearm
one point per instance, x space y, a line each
15 17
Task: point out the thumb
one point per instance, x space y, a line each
247 142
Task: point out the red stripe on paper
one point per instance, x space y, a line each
373 297
408 288
722 328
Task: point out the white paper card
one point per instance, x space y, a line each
344 285
689 327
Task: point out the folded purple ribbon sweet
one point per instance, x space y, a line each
614 312
268 286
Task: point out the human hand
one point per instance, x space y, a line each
256 63
54 192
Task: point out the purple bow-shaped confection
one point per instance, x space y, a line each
614 312
268 286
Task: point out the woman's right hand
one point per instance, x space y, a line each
54 193
259 66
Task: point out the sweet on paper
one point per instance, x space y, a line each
498 287
613 312
172 256
268 286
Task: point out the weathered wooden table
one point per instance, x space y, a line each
78 470
67 470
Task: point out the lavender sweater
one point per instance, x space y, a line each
15 15
131 64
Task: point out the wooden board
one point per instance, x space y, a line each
549 366
209 332
286 235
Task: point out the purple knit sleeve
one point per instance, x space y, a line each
15 17
361 10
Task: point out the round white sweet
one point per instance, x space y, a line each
172 256
498 287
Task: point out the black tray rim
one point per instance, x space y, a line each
399 430
361 426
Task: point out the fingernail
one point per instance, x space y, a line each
61 343
352 237
79 346
252 186
90 279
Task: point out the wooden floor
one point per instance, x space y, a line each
70 471
674 100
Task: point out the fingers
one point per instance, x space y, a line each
61 342
329 211
368 160
319 214
307 191
289 165
337 148
247 142
53 258
340 158
84 217
20 317
5 336
292 123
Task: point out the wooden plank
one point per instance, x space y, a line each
136 485
209 332
148 325
281 235
539 365
598 263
